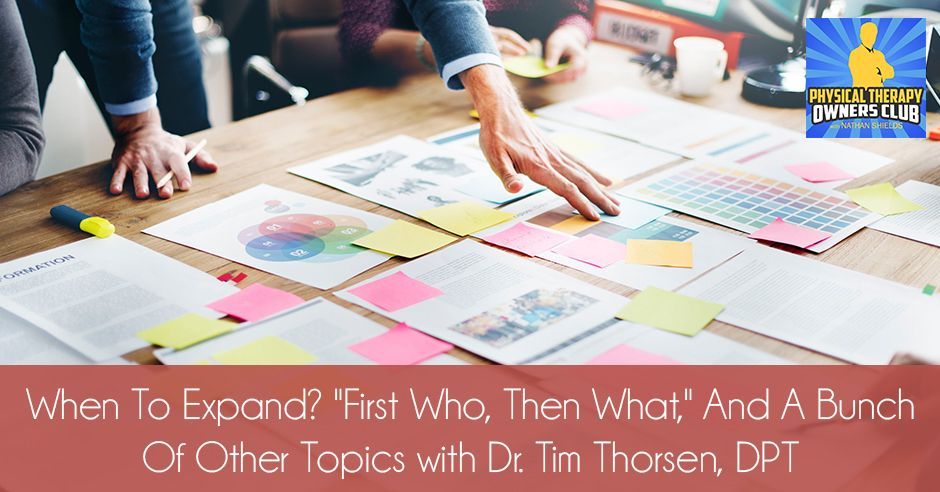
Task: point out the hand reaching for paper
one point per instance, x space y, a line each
513 145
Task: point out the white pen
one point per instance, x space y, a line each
188 157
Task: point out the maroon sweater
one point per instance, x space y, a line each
362 21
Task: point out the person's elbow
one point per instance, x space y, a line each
21 153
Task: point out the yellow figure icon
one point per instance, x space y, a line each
868 65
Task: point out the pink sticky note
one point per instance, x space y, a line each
255 302
594 250
402 345
526 239
781 231
624 355
395 292
819 172
612 109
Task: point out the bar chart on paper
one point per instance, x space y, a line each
748 202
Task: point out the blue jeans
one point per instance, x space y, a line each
54 26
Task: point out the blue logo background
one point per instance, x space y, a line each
828 44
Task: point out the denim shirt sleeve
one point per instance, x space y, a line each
118 35
458 33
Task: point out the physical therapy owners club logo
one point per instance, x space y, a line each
865 78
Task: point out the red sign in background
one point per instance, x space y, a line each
496 428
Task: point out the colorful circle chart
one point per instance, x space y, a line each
304 237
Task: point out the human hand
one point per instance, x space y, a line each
513 145
570 44
509 42
144 150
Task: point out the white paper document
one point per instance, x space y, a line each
498 305
318 327
25 344
711 246
922 225
702 133
96 294
706 348
289 234
842 313
612 156
410 175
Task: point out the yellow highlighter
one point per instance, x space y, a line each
95 226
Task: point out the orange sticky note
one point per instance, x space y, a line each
574 224
659 253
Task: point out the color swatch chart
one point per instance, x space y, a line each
748 202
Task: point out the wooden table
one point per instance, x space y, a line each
259 150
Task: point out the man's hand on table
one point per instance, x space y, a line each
144 150
513 145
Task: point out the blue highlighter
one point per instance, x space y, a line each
68 216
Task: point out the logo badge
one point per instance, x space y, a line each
866 78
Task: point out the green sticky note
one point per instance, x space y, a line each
670 311
929 289
882 199
531 66
189 329
266 351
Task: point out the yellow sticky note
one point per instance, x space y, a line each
882 199
476 114
574 144
574 224
659 253
670 311
531 66
266 351
463 218
189 329
405 239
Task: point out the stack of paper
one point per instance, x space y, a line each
94 295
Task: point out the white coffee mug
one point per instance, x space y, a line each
700 63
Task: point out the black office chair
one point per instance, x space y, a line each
264 89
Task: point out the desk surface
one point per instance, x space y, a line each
259 150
